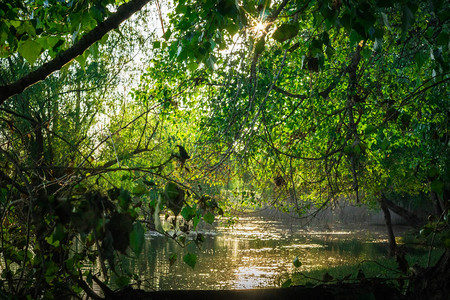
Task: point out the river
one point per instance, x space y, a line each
256 252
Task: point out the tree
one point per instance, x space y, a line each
29 31
317 99
338 91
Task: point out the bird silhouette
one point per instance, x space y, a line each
182 155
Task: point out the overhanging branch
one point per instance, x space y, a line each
123 13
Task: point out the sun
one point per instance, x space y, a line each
259 28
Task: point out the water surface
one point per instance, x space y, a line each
256 252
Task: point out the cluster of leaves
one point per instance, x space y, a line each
47 26
347 106
302 101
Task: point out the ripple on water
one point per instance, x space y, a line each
254 253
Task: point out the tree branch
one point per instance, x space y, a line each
123 13
7 179
286 93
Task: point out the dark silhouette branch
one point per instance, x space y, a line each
123 13
409 217
286 93
89 292
9 180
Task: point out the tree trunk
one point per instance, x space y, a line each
387 219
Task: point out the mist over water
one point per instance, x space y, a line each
256 252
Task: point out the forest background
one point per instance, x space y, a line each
290 104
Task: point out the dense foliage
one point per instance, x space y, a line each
295 104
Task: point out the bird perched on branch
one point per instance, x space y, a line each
182 155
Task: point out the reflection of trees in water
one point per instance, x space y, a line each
247 255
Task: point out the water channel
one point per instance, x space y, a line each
256 252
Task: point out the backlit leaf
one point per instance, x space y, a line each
190 259
172 258
30 50
285 32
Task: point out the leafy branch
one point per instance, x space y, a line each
123 13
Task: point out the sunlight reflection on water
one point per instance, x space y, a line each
254 253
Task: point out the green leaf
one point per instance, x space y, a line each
232 28
228 8
57 236
3 193
195 222
192 66
407 18
420 58
58 233
52 41
200 238
172 258
81 59
426 231
190 259
30 50
208 217
355 37
167 34
384 144
285 32
156 44
171 191
378 45
349 150
124 199
287 283
137 238
432 172
370 129
210 62
259 46
188 212
181 8
297 263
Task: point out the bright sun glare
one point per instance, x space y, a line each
260 27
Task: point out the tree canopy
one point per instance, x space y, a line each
293 104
